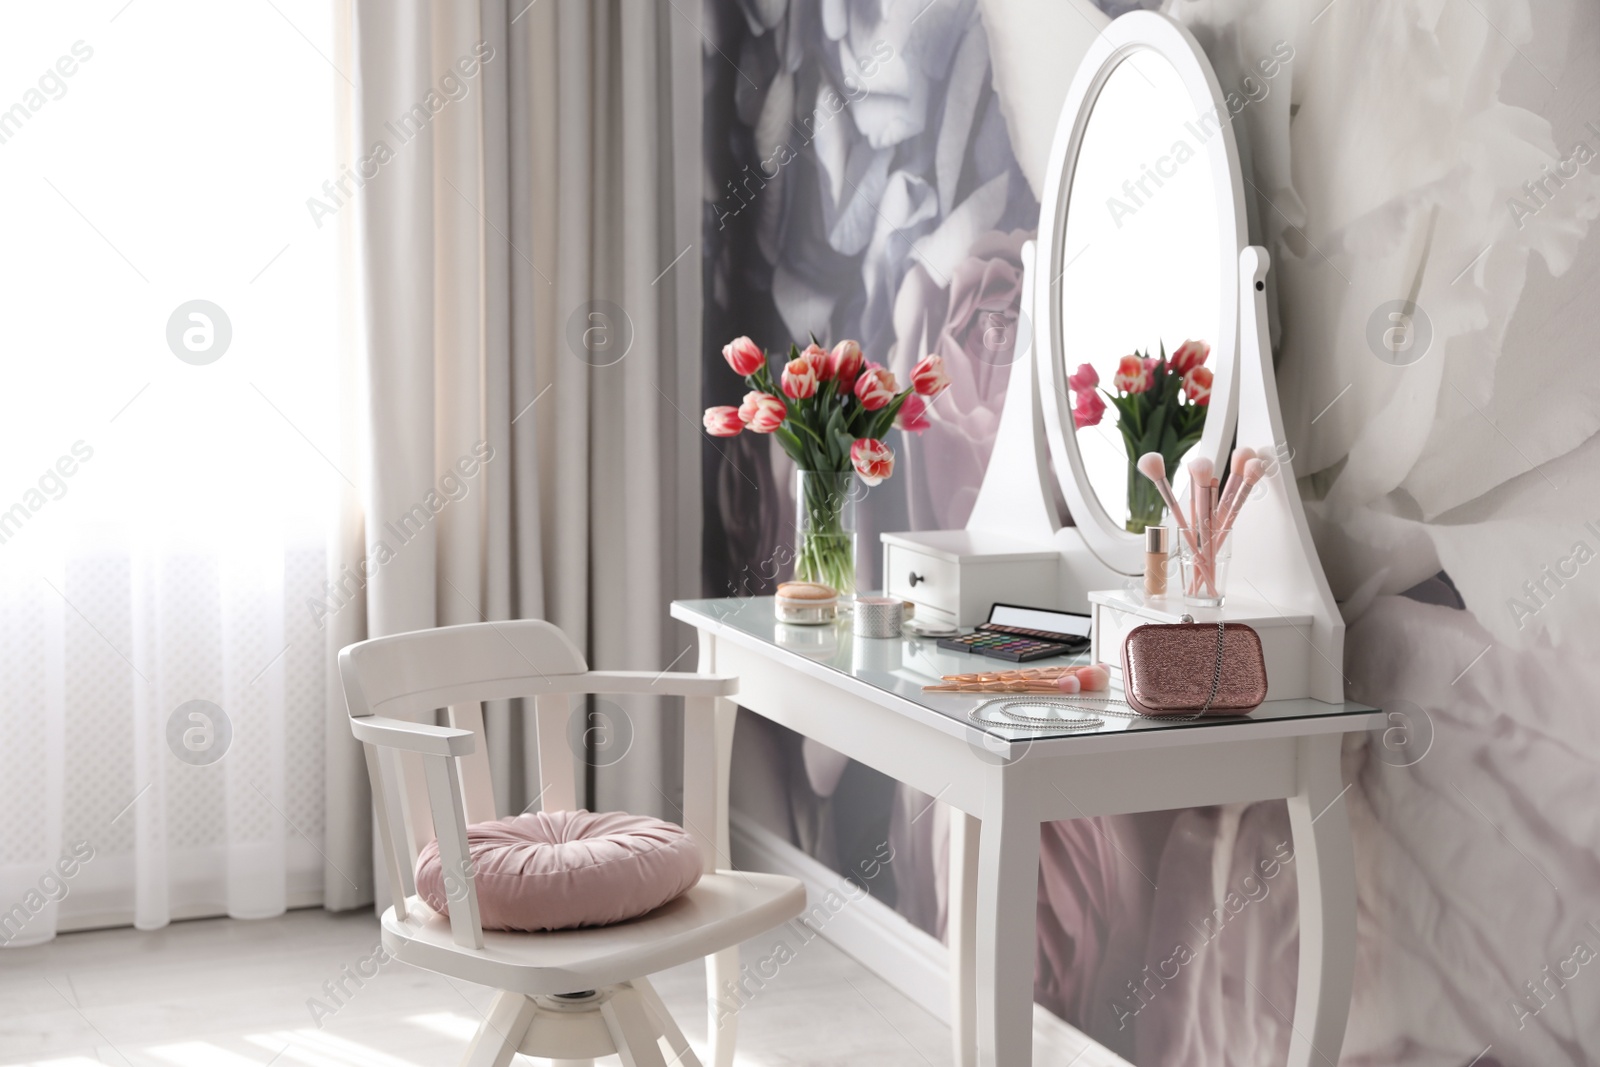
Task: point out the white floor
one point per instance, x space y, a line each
226 993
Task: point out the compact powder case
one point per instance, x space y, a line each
806 603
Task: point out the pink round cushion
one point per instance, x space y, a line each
563 869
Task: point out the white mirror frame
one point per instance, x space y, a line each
1136 31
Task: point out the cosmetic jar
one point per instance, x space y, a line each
806 603
879 616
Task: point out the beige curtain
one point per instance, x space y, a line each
529 209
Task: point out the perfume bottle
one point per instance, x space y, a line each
1155 560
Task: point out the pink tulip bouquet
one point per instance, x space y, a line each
830 412
1161 407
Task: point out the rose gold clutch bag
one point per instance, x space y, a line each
1193 669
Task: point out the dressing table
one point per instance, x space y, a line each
1142 242
864 699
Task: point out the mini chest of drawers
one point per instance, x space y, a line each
954 576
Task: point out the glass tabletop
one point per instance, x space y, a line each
904 665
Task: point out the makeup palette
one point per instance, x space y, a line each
1021 634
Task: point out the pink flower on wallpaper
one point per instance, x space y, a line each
969 320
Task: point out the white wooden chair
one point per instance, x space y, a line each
569 995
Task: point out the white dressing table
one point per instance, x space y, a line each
864 699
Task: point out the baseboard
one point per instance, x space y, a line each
886 943
111 919
872 933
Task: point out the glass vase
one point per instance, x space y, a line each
1145 506
825 529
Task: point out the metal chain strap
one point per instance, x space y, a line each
1005 705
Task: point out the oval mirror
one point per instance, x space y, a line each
1140 233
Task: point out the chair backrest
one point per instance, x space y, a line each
410 676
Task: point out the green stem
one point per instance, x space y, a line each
826 552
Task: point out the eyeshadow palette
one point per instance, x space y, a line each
1020 634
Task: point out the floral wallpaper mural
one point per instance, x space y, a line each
872 171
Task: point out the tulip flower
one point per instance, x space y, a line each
872 459
723 421
1132 376
1088 410
1189 355
1085 379
913 415
799 378
744 356
844 363
875 388
817 356
928 377
1197 385
762 412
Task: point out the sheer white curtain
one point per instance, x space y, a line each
166 496
531 213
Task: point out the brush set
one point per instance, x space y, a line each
1086 679
1204 526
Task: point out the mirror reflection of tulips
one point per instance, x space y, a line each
830 410
1161 407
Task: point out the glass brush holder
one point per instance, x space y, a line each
1203 574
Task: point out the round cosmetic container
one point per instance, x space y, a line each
806 603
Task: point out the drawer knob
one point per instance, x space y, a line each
916 579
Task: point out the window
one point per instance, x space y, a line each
169 450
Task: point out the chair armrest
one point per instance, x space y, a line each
659 683
412 736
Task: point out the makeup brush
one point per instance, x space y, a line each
1253 472
1200 476
1019 674
1200 473
1092 677
1236 462
1152 466
1037 686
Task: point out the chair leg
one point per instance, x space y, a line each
677 1044
722 1028
502 1031
632 1030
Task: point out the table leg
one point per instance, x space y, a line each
1325 873
1008 896
961 917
